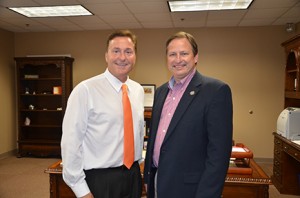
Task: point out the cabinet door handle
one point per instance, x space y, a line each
296 154
277 142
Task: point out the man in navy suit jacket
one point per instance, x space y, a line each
190 138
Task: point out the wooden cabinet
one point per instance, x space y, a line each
286 167
292 72
43 87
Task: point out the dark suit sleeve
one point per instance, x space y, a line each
219 129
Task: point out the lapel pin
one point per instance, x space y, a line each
192 93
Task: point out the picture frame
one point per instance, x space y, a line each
149 90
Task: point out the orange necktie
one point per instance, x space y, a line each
128 129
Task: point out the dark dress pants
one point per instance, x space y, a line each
118 182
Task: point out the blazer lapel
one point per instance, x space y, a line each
187 97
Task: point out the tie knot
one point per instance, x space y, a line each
124 88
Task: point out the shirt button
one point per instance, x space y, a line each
173 98
164 130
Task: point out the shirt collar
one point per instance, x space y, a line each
115 82
186 79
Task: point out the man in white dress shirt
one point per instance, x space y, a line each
92 139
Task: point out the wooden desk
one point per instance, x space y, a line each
58 188
286 167
246 186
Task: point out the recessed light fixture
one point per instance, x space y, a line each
205 5
52 11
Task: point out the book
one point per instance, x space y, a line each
240 166
31 76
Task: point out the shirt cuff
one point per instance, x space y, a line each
81 189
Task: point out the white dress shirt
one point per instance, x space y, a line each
93 127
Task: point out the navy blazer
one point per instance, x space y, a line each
195 153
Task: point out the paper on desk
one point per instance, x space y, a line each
296 141
238 149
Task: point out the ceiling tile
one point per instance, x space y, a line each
153 17
189 24
188 16
127 26
283 21
39 28
85 20
226 14
53 21
12 3
98 1
162 24
293 12
118 18
222 23
256 22
273 3
143 1
107 8
265 13
95 26
56 2
147 7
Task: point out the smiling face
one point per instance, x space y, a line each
180 58
120 57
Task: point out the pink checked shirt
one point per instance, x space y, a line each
171 102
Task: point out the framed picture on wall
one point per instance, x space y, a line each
149 90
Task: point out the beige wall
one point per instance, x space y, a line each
249 59
7 86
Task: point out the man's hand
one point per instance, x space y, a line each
146 187
88 196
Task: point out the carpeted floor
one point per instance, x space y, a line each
25 178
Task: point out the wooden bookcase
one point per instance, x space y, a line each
292 72
43 87
286 163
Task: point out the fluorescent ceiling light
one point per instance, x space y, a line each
52 11
204 5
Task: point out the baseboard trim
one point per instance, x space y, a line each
8 154
264 160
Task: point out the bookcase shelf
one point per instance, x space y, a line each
292 72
